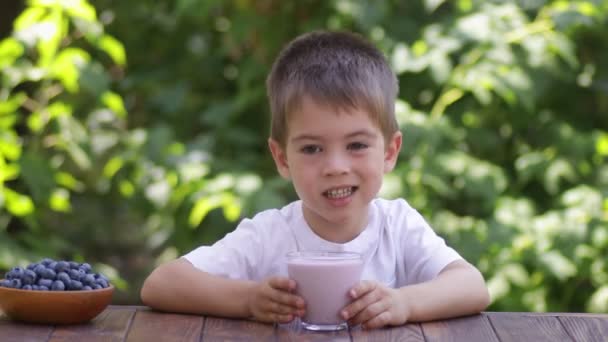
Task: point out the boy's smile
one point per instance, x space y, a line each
336 159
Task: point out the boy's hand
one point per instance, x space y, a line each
272 300
375 306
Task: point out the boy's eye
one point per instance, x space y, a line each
310 149
357 146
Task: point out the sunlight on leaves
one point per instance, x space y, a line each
114 102
599 300
560 266
66 67
60 200
16 203
113 48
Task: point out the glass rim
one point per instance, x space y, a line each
324 255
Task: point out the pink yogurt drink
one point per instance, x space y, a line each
323 280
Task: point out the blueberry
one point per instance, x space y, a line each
52 265
81 274
5 283
74 264
96 287
64 277
14 273
101 282
49 274
16 283
46 261
62 266
89 279
74 274
35 287
32 266
86 267
75 285
29 277
58 285
43 288
39 270
87 288
26 287
45 282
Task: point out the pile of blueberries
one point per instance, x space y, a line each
51 275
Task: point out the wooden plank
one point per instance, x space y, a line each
518 327
470 328
151 325
583 328
408 332
225 329
110 326
11 331
294 332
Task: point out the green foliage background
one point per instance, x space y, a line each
134 131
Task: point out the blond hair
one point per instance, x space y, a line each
338 69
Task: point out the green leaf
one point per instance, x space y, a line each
556 171
68 181
126 188
60 200
601 145
10 145
10 51
202 207
560 266
50 38
38 175
16 203
112 166
9 172
114 102
29 17
599 300
80 9
114 48
67 65
231 206
432 5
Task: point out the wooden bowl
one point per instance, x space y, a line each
54 307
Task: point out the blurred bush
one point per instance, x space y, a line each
132 132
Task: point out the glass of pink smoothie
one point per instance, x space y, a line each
323 280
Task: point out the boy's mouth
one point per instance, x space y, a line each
340 192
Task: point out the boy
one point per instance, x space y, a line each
334 135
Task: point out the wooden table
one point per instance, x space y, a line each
137 323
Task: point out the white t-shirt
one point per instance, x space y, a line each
398 246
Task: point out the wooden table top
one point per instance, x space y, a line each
138 323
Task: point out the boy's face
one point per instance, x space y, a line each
336 161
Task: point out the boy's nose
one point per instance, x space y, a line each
336 164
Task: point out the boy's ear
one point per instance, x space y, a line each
391 151
280 158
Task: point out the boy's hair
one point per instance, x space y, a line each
338 69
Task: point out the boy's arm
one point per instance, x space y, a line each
177 286
458 290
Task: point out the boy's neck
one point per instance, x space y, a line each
348 231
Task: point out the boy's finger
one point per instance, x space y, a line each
358 305
368 312
361 289
289 299
378 321
282 309
282 283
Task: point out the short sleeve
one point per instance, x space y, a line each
425 253
235 256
